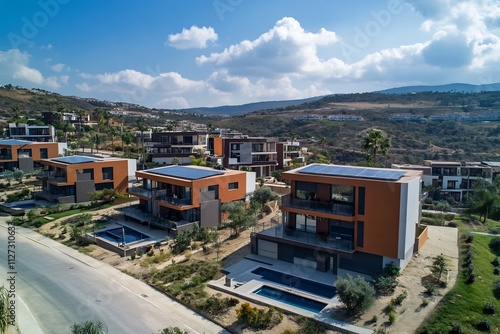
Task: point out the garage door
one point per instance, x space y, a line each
268 249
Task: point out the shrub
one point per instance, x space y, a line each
469 237
449 216
495 245
389 308
392 318
391 270
259 318
484 325
456 329
452 224
399 299
496 262
385 285
471 277
430 288
496 271
355 293
311 326
217 306
425 302
496 289
374 318
489 308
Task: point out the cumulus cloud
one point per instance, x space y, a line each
192 38
57 67
14 65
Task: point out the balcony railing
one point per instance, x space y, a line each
311 238
174 200
5 157
140 191
327 207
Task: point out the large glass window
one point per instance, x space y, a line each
342 194
43 153
341 230
305 223
107 173
306 190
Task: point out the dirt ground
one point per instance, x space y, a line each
410 314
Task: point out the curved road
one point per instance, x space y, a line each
61 287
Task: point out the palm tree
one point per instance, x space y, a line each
141 126
127 139
375 141
113 132
89 327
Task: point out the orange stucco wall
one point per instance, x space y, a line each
422 238
52 150
381 218
120 171
218 146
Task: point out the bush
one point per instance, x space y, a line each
355 293
495 245
452 224
496 289
399 299
496 271
391 270
496 262
489 308
456 329
259 318
425 302
217 306
469 237
385 285
311 326
392 318
484 325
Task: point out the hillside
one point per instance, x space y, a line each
455 87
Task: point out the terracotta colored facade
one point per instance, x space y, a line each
12 151
71 182
177 201
343 223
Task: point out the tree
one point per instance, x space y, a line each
375 141
113 132
127 139
141 126
485 199
439 266
322 142
5 319
261 196
89 327
239 217
18 175
355 293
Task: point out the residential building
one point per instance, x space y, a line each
169 147
26 155
71 179
345 118
407 118
38 133
456 179
257 154
178 197
290 152
343 219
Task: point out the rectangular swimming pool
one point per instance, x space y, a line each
323 290
290 299
115 235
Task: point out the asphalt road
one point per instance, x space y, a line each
61 287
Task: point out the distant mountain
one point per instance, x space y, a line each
249 107
454 87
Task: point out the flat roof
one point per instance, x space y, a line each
75 159
15 142
185 172
357 172
491 163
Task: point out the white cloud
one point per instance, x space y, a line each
174 102
57 67
193 37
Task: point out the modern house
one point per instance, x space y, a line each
343 219
26 155
37 133
456 179
290 152
177 197
71 179
256 154
169 147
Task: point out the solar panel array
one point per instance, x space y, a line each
183 172
75 159
366 173
15 142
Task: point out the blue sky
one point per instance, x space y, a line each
191 53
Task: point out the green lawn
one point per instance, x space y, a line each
464 304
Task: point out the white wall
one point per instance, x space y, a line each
250 186
408 216
132 168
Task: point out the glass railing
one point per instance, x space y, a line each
327 207
174 200
140 191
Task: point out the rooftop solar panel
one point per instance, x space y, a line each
15 142
366 173
184 172
75 159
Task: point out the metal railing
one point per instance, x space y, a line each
327 207
140 191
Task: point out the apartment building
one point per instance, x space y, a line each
256 154
36 133
70 179
169 147
456 179
290 152
343 219
26 155
177 197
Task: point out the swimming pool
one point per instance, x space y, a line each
295 282
115 235
290 299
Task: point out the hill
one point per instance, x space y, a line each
454 87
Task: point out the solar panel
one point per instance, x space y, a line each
365 173
75 159
184 172
15 142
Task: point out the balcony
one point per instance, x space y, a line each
170 199
5 157
326 207
140 191
326 241
52 176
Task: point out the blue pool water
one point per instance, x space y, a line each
116 235
295 282
290 299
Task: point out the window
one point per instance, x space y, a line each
361 200
360 235
341 230
235 147
342 194
452 184
107 173
24 153
305 223
43 153
214 188
89 171
306 190
233 185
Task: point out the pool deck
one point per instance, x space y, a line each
244 283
